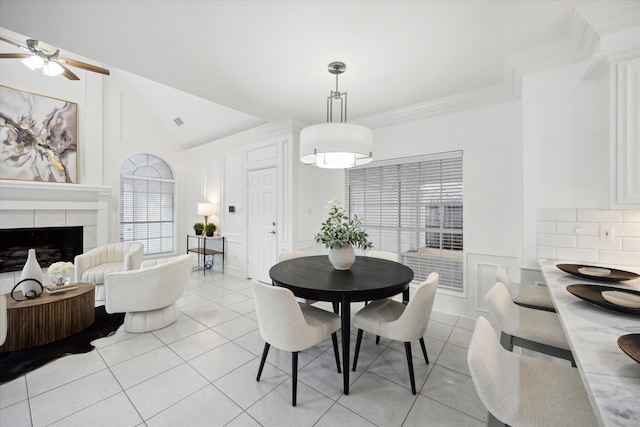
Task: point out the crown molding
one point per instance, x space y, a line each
459 102
578 46
607 17
267 131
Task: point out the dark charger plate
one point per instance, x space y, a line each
614 276
630 344
593 294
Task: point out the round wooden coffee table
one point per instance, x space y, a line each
48 318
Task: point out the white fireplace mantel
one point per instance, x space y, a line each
26 204
20 195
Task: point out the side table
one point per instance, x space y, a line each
203 249
49 317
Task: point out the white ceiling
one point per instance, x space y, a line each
267 60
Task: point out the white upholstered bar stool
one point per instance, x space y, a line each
398 321
530 296
524 391
290 326
525 327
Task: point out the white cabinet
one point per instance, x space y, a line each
620 130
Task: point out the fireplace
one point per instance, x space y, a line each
52 244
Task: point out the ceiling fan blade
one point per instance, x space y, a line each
15 55
84 65
13 43
68 73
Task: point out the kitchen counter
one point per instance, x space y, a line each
611 378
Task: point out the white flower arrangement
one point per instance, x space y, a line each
60 269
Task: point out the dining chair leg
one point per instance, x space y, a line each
357 351
264 359
377 339
336 307
424 350
294 373
407 349
334 338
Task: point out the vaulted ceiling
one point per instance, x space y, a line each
265 61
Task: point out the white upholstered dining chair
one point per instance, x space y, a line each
399 321
526 327
524 391
530 296
290 326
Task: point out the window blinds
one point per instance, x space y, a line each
414 208
147 204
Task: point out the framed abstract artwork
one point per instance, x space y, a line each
38 137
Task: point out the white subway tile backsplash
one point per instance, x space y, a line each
546 227
577 228
565 243
594 215
631 244
594 242
547 252
578 255
556 214
557 240
631 216
620 258
624 230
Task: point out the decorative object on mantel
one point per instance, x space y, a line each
336 145
44 151
210 228
31 277
43 55
198 228
60 273
339 233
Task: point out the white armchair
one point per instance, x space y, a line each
93 266
148 296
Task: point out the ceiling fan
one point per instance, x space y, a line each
45 56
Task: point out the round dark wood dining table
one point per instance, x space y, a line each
313 277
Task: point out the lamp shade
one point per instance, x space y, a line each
206 209
336 145
51 69
33 62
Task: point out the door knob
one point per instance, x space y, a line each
272 232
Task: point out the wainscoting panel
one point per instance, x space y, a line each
481 274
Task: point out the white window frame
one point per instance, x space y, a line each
148 217
394 198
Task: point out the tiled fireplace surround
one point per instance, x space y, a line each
30 204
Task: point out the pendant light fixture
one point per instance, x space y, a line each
336 145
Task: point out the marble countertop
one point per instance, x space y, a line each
611 378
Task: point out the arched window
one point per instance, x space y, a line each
147 203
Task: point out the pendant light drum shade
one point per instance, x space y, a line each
336 145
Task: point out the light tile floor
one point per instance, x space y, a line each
201 371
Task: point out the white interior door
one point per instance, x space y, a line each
262 222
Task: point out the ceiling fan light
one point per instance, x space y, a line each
52 69
33 62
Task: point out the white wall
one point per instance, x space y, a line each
112 126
